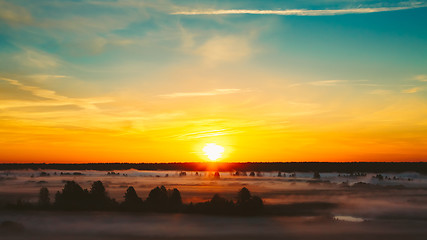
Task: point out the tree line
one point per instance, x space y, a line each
74 198
343 167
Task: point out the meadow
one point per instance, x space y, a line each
386 205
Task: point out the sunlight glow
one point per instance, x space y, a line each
213 151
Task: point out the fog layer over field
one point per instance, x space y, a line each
393 207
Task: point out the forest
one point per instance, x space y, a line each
160 200
343 167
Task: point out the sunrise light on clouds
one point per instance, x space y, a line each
155 81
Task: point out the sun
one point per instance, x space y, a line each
213 151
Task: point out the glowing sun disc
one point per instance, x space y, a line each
213 151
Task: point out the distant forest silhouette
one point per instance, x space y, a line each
344 167
160 200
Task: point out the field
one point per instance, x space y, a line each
385 206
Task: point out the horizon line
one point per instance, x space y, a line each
206 162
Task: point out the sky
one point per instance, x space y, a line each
155 81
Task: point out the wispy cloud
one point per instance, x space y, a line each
14 14
205 134
225 49
42 78
203 94
334 83
296 12
37 59
87 103
422 78
328 82
412 90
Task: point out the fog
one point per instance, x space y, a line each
392 208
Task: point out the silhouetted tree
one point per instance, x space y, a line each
175 200
218 200
221 205
243 196
371 167
98 190
99 199
255 204
44 199
157 199
248 204
132 201
161 200
72 197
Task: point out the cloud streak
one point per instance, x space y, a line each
86 103
328 82
202 94
296 12
412 90
205 134
325 83
421 78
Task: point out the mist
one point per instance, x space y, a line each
380 206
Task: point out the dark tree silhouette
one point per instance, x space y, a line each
243 196
370 167
255 204
161 200
157 199
98 190
99 198
175 200
44 198
132 201
221 205
72 197
248 204
218 200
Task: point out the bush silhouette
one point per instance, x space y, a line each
44 198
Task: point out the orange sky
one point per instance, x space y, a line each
156 81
